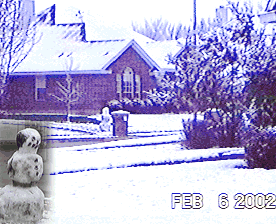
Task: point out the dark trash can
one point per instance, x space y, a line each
120 123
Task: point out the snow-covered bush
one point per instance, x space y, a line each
260 148
114 105
196 134
140 106
218 131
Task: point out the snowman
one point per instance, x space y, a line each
23 201
105 124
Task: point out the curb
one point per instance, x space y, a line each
221 156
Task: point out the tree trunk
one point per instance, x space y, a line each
68 112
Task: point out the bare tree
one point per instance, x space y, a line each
69 93
17 36
161 30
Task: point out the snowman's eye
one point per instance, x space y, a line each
33 138
29 144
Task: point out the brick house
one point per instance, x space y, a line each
104 69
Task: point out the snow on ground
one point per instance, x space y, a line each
143 194
157 122
148 123
124 153
72 129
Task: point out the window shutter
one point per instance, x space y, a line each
41 81
40 87
138 86
132 86
119 85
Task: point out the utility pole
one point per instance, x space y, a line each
194 27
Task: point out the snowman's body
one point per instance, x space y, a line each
25 168
23 202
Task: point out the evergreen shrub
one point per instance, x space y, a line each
260 147
140 106
196 134
220 130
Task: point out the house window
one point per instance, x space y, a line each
128 85
40 88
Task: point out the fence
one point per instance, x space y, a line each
10 128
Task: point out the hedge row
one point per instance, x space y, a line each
51 117
203 134
259 143
138 106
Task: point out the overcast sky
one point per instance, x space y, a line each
123 12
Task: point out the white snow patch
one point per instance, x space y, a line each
143 194
98 157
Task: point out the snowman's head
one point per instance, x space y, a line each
28 140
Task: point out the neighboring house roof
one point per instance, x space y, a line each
47 16
271 5
269 15
75 31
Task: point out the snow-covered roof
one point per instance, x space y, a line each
99 32
58 42
47 16
54 48
51 52
139 50
159 51
75 31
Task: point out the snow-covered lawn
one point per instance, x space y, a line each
137 123
157 122
143 194
125 153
